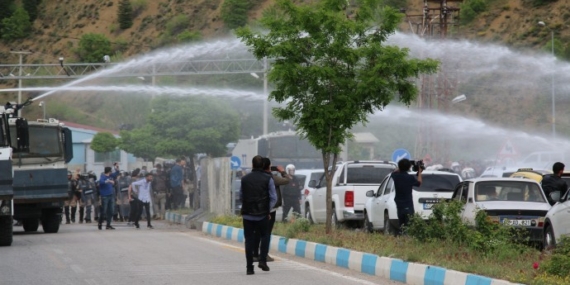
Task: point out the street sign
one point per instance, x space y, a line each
400 153
508 150
235 162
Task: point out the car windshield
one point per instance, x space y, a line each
513 191
438 183
44 141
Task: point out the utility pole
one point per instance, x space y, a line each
21 53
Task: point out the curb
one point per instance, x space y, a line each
174 218
389 268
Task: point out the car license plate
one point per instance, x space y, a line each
428 206
512 222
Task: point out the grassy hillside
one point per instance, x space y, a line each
60 25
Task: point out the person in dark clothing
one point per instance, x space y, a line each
107 191
177 183
280 178
291 194
258 197
404 183
553 182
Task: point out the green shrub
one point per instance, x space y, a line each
470 9
301 225
446 224
537 3
17 26
188 36
93 47
125 14
234 12
177 24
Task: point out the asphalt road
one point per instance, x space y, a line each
82 254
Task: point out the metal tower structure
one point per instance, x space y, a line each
437 90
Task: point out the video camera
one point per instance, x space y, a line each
417 164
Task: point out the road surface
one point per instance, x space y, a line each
168 254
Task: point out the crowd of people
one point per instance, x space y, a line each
122 196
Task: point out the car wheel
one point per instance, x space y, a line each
308 214
31 225
367 224
388 229
549 239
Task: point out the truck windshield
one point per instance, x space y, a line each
438 183
44 141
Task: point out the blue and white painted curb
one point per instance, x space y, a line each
175 218
389 268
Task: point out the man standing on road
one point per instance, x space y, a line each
258 196
553 182
291 194
280 178
176 180
404 183
107 191
72 184
142 188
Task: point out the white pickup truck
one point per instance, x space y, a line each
351 181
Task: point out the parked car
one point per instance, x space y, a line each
350 182
498 171
517 202
557 221
381 213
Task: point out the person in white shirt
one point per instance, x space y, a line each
143 193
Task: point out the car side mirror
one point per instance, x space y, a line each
370 193
313 183
555 196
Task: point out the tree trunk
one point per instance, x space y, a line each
329 173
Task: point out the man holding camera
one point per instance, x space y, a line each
404 183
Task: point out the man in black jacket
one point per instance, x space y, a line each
553 182
258 196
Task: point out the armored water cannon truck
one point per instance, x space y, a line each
38 182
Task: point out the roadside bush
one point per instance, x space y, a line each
301 225
559 263
232 221
445 223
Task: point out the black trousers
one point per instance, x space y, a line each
140 206
288 204
177 197
249 231
270 225
404 213
133 210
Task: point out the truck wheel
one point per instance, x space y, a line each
6 230
30 225
50 222
367 224
388 229
308 214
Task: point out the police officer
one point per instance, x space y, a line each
71 184
291 193
97 204
87 188
123 182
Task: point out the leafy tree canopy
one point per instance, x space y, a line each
104 142
125 14
332 68
190 125
140 142
93 47
17 26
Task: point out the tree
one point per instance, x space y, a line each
93 47
140 142
234 13
191 125
332 69
17 26
104 143
31 7
6 9
125 14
